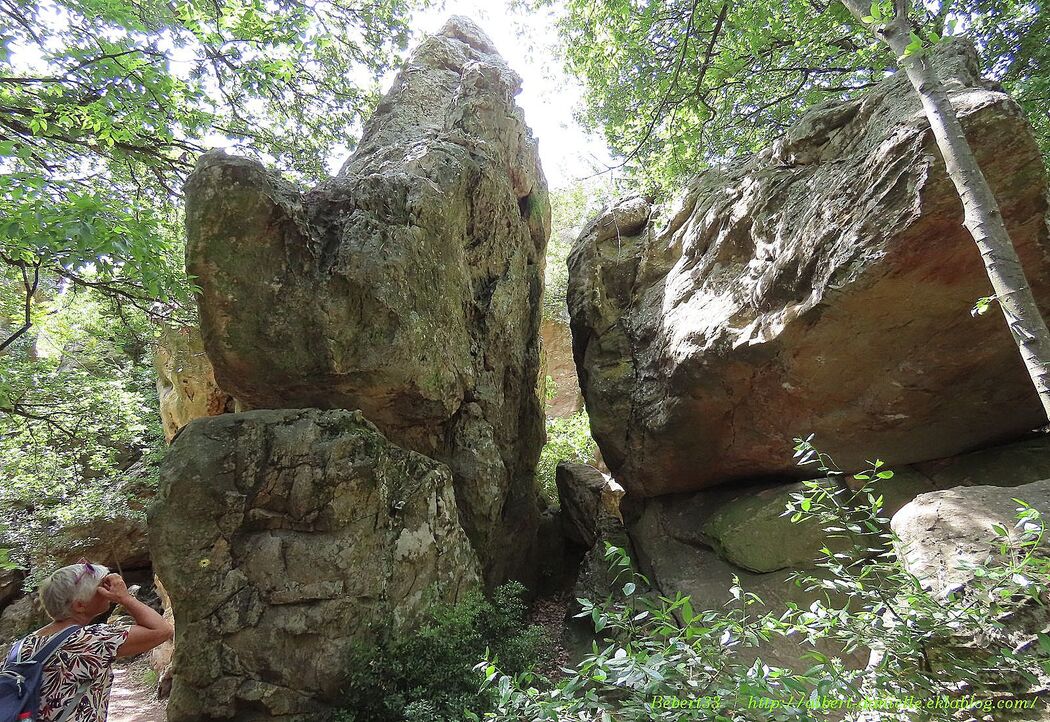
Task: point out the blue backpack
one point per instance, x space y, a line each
20 681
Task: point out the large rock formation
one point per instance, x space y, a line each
283 536
942 535
694 543
408 286
558 380
821 286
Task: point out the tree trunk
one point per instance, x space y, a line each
982 216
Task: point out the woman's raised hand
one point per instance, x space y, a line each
114 588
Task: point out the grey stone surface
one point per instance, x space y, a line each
580 498
408 286
941 530
283 536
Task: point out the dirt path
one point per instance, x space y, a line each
130 700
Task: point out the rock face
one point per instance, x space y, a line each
408 286
283 536
20 618
674 557
580 489
695 542
563 395
821 286
185 380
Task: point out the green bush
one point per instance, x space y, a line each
568 439
428 676
974 645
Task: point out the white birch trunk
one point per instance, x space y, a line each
982 216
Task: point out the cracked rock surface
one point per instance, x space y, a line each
408 286
297 532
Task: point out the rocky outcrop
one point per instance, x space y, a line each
747 527
21 617
185 380
10 585
821 286
282 537
408 286
694 543
942 536
671 556
580 489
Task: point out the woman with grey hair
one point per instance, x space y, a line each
77 678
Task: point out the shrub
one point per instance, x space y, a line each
427 676
568 439
658 648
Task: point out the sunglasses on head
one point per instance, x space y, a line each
89 568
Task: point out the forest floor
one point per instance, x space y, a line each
132 698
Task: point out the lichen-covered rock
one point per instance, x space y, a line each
20 617
283 536
942 535
408 286
676 560
748 528
185 380
10 585
821 286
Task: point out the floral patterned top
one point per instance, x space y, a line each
88 654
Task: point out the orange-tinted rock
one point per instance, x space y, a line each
185 380
821 286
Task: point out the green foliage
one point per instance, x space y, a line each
80 435
568 439
105 104
428 676
965 646
677 84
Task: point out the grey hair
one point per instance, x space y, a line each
62 588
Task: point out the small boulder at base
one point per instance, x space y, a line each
942 531
282 537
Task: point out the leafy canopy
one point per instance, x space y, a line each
104 105
678 84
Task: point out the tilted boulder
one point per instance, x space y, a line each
580 489
186 384
408 286
283 536
821 286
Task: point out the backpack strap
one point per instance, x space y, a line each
13 655
44 654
